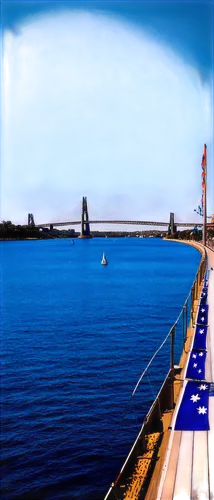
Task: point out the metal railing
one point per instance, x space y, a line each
210 243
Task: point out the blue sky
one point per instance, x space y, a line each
111 100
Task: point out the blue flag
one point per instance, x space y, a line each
196 365
202 317
193 412
200 338
203 297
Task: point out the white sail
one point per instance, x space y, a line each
104 260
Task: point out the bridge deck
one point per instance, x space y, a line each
123 222
188 470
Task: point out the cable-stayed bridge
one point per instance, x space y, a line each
85 221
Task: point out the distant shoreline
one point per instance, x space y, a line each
93 236
26 239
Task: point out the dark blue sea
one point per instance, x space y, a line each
76 337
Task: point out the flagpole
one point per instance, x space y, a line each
205 196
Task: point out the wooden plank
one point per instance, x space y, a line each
142 467
183 480
200 477
152 492
168 487
211 415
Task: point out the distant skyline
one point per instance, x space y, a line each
109 100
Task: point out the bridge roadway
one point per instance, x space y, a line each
128 222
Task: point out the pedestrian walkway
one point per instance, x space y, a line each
188 470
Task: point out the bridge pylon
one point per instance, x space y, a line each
31 220
172 227
85 227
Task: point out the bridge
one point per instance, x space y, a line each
85 222
128 222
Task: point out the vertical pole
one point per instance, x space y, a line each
196 287
183 320
192 303
82 218
205 196
172 342
172 347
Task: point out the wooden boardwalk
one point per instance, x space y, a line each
188 468
168 464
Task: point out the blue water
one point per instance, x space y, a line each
76 337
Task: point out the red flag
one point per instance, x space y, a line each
204 157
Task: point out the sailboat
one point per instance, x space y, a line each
104 260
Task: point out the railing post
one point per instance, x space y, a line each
192 302
197 284
200 274
183 322
172 343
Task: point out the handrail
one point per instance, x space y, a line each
210 244
150 362
172 330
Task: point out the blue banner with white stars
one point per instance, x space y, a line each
193 412
200 338
196 365
202 317
203 297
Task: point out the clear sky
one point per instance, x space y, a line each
110 100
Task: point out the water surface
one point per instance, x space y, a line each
76 337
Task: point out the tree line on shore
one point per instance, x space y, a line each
189 234
10 231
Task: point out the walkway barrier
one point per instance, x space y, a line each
210 244
142 456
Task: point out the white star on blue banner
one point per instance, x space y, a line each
193 412
196 365
202 317
200 338
203 298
